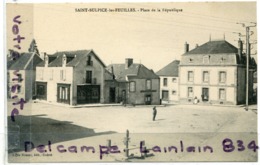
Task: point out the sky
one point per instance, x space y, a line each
152 38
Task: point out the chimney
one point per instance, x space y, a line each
112 70
186 47
128 62
197 45
64 60
46 59
240 49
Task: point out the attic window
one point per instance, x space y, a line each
89 62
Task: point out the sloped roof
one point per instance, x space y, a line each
73 58
137 70
10 62
27 61
214 47
172 69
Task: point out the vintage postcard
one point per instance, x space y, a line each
131 82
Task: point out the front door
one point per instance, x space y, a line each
205 94
165 95
148 99
41 90
112 95
63 95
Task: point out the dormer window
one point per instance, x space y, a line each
64 60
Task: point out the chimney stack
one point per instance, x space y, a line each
46 59
197 45
64 60
128 62
112 70
186 47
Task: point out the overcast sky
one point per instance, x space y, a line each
151 38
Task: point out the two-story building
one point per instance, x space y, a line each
134 84
169 77
72 77
214 73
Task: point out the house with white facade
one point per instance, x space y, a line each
72 77
169 82
214 73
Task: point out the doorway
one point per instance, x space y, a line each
148 99
112 95
205 94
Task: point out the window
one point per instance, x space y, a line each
62 74
174 80
174 92
190 92
222 94
148 84
132 86
205 76
165 82
88 76
89 62
190 76
222 77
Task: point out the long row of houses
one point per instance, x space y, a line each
213 73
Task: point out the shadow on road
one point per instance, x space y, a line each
159 119
40 130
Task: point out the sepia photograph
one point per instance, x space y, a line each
131 82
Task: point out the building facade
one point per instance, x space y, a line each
134 84
214 73
72 77
169 80
21 75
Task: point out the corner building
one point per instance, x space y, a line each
214 73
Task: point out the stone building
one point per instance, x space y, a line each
133 84
215 73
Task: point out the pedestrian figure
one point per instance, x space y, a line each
154 113
195 101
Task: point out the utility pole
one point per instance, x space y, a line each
247 66
247 59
